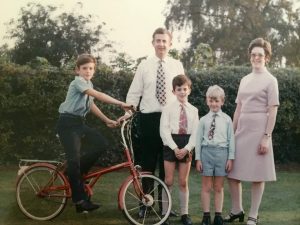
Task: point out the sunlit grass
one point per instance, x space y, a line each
280 205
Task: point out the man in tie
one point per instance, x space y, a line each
214 153
153 84
178 126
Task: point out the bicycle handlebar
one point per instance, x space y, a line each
126 131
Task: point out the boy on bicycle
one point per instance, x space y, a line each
72 129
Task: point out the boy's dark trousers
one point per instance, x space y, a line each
73 133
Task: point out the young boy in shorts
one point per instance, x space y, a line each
214 153
178 126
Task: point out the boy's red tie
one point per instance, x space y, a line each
182 121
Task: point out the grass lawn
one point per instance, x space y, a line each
280 205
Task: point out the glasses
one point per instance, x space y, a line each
260 56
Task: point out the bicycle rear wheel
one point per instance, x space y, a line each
41 192
134 199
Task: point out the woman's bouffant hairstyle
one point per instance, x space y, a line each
260 42
85 58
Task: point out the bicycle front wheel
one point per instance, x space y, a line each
41 192
142 206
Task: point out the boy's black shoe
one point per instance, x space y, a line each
218 220
186 220
86 206
206 220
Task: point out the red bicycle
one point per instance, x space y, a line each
42 188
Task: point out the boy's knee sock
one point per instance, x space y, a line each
165 202
184 202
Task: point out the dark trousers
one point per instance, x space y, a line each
151 148
74 135
151 144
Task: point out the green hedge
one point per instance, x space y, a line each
30 97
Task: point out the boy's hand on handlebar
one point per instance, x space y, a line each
122 118
112 123
127 107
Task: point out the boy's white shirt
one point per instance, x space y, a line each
169 124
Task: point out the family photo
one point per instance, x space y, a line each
150 112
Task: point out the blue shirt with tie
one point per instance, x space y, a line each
223 134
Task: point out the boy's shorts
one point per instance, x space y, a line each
181 140
214 161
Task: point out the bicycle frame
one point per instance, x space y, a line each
93 176
131 197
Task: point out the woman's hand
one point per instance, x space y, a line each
263 147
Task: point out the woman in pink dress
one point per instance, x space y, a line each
254 120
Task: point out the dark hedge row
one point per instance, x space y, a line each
29 99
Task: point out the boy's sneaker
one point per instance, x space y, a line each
86 206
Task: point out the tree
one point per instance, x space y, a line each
123 62
230 25
57 38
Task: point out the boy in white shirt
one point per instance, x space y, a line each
178 126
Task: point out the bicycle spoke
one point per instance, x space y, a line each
132 194
155 212
154 188
31 183
134 208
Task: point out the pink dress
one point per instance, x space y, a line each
257 91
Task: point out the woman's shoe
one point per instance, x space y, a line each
231 217
252 221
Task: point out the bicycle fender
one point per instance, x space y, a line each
121 190
43 164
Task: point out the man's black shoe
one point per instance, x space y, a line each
186 220
86 206
144 210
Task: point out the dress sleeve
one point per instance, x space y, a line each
273 93
237 100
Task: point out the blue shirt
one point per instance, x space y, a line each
223 134
77 102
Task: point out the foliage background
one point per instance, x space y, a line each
31 94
